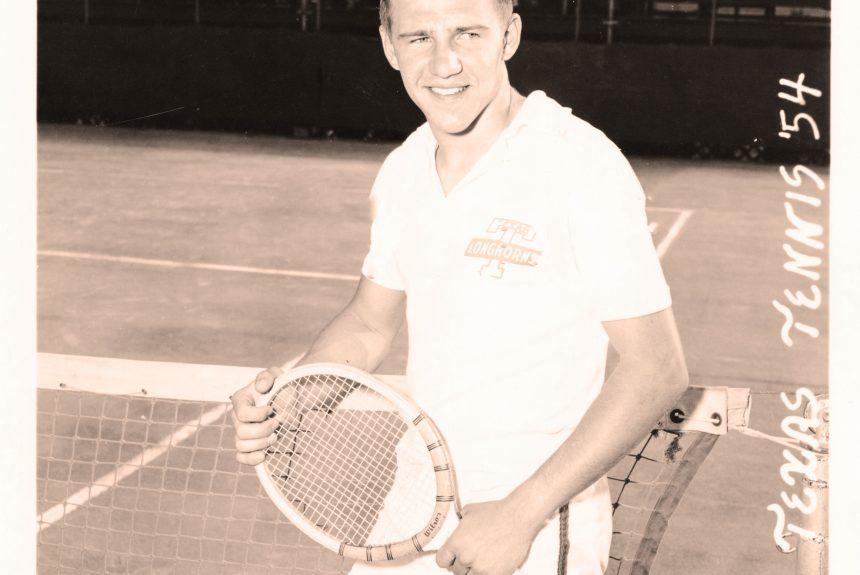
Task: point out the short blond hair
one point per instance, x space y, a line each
506 7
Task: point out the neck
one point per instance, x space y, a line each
466 147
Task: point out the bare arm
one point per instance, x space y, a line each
650 376
495 537
360 335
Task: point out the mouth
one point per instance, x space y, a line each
447 92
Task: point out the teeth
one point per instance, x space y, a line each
447 91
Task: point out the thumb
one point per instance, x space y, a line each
266 379
445 557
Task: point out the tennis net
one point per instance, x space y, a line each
131 480
137 473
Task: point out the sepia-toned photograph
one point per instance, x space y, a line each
419 287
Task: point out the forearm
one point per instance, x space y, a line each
348 339
632 400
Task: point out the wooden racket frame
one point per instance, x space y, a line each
446 486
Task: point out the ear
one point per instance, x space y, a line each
388 47
513 33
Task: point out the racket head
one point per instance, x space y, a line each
357 466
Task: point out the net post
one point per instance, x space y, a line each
303 9
86 11
610 21
712 31
319 8
197 12
812 552
564 7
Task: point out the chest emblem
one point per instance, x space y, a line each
508 247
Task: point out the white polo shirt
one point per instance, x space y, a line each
508 279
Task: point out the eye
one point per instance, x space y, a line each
470 35
419 40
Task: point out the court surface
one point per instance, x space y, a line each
220 249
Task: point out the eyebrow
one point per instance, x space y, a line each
416 34
458 30
462 29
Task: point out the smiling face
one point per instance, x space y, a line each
451 55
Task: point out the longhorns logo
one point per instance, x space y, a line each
502 250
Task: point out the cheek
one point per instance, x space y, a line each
490 64
482 65
411 73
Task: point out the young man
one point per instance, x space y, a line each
515 237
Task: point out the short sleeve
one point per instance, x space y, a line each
611 240
380 263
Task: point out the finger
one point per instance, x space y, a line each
254 430
250 458
445 557
252 445
242 396
266 379
252 414
245 404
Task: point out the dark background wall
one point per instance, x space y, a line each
650 97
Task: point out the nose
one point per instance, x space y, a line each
445 62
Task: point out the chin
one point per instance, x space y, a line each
452 124
454 128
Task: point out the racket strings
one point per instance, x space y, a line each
395 504
367 498
365 494
411 500
359 472
333 487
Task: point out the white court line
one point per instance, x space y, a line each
673 232
82 368
150 178
198 266
661 250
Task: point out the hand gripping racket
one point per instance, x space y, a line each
356 465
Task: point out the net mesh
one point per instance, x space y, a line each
131 484
353 468
140 485
646 487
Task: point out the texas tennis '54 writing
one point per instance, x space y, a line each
801 475
801 201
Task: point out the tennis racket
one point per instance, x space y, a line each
356 465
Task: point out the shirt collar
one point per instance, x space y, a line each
528 114
533 112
